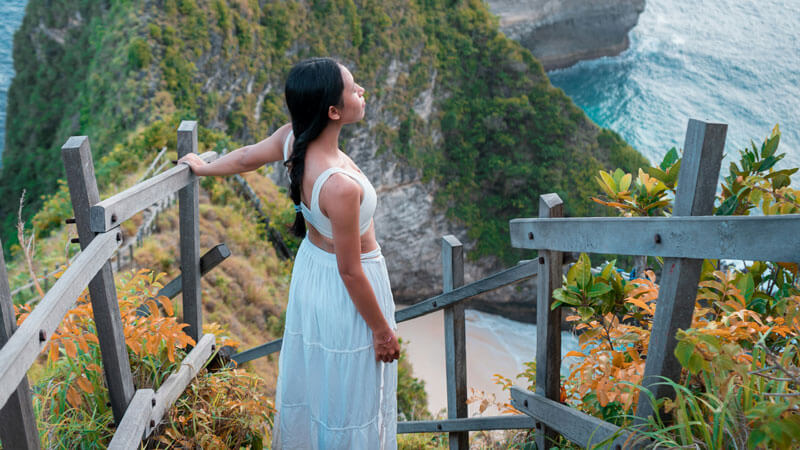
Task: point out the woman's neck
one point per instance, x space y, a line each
328 141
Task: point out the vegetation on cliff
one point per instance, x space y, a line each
447 93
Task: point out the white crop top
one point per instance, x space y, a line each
314 214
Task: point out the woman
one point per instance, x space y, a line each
337 377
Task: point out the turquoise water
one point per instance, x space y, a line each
730 61
11 12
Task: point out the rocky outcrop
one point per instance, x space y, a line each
562 32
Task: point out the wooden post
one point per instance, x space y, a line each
17 420
455 339
83 192
697 185
548 322
189 217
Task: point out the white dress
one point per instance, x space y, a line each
331 392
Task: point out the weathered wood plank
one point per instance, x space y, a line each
176 383
578 427
697 183
455 339
189 224
114 210
703 237
258 352
77 157
24 346
509 422
130 432
513 275
208 261
548 321
17 419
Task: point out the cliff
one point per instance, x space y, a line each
562 32
463 128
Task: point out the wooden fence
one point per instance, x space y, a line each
683 240
136 412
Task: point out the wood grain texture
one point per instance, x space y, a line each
25 345
580 428
548 320
258 352
513 275
189 224
111 212
510 422
703 237
455 340
695 195
17 418
131 429
77 157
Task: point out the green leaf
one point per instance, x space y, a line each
770 146
669 159
767 163
564 297
584 274
684 351
746 286
727 207
585 312
780 181
609 270
598 289
625 182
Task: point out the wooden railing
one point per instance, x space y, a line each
137 412
683 240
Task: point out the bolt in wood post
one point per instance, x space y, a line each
188 208
17 420
548 322
77 157
697 185
455 339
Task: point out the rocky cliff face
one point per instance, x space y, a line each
562 32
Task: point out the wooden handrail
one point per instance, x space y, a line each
698 237
25 345
116 209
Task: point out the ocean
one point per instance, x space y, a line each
730 61
11 12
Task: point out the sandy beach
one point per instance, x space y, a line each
494 345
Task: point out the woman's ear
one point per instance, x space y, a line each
334 113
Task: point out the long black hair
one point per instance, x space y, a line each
312 87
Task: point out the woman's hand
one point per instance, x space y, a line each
194 162
387 348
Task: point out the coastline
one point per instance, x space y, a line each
494 345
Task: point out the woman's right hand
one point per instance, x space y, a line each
193 161
387 348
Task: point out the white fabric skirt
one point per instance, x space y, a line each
331 392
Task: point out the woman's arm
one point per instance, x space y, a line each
341 200
244 159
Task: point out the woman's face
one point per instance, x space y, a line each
353 103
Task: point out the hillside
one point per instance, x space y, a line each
463 129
